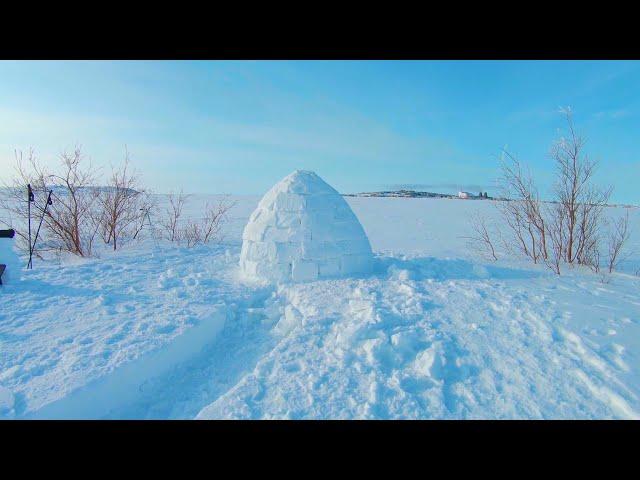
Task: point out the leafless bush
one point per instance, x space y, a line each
191 234
582 203
149 205
556 237
194 232
569 228
523 212
618 236
170 222
481 238
123 203
67 222
215 216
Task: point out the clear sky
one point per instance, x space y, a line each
238 127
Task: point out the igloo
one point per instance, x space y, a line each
304 230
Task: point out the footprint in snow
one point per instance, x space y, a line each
191 281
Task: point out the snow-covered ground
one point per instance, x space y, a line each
435 332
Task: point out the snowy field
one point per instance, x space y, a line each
158 331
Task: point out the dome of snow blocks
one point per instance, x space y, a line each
303 230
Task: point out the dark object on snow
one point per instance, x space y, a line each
5 234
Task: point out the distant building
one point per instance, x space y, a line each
464 195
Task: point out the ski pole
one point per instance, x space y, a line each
44 212
30 198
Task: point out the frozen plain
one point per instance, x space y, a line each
157 331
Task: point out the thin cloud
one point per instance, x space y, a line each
612 114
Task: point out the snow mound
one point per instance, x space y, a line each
303 230
10 258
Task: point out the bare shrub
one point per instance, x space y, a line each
523 211
170 222
149 205
582 203
556 232
618 236
123 203
215 217
67 222
191 234
208 228
481 238
569 228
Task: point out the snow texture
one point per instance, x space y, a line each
445 339
6 400
9 257
303 230
433 332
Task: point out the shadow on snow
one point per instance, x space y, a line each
449 269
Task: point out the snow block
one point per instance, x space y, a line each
356 263
289 202
279 271
319 250
323 203
285 252
303 230
249 268
304 271
329 267
285 220
260 249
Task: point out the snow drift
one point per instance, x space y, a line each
303 230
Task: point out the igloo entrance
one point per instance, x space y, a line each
304 230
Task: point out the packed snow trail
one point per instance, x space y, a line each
191 385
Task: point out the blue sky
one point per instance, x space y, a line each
238 127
